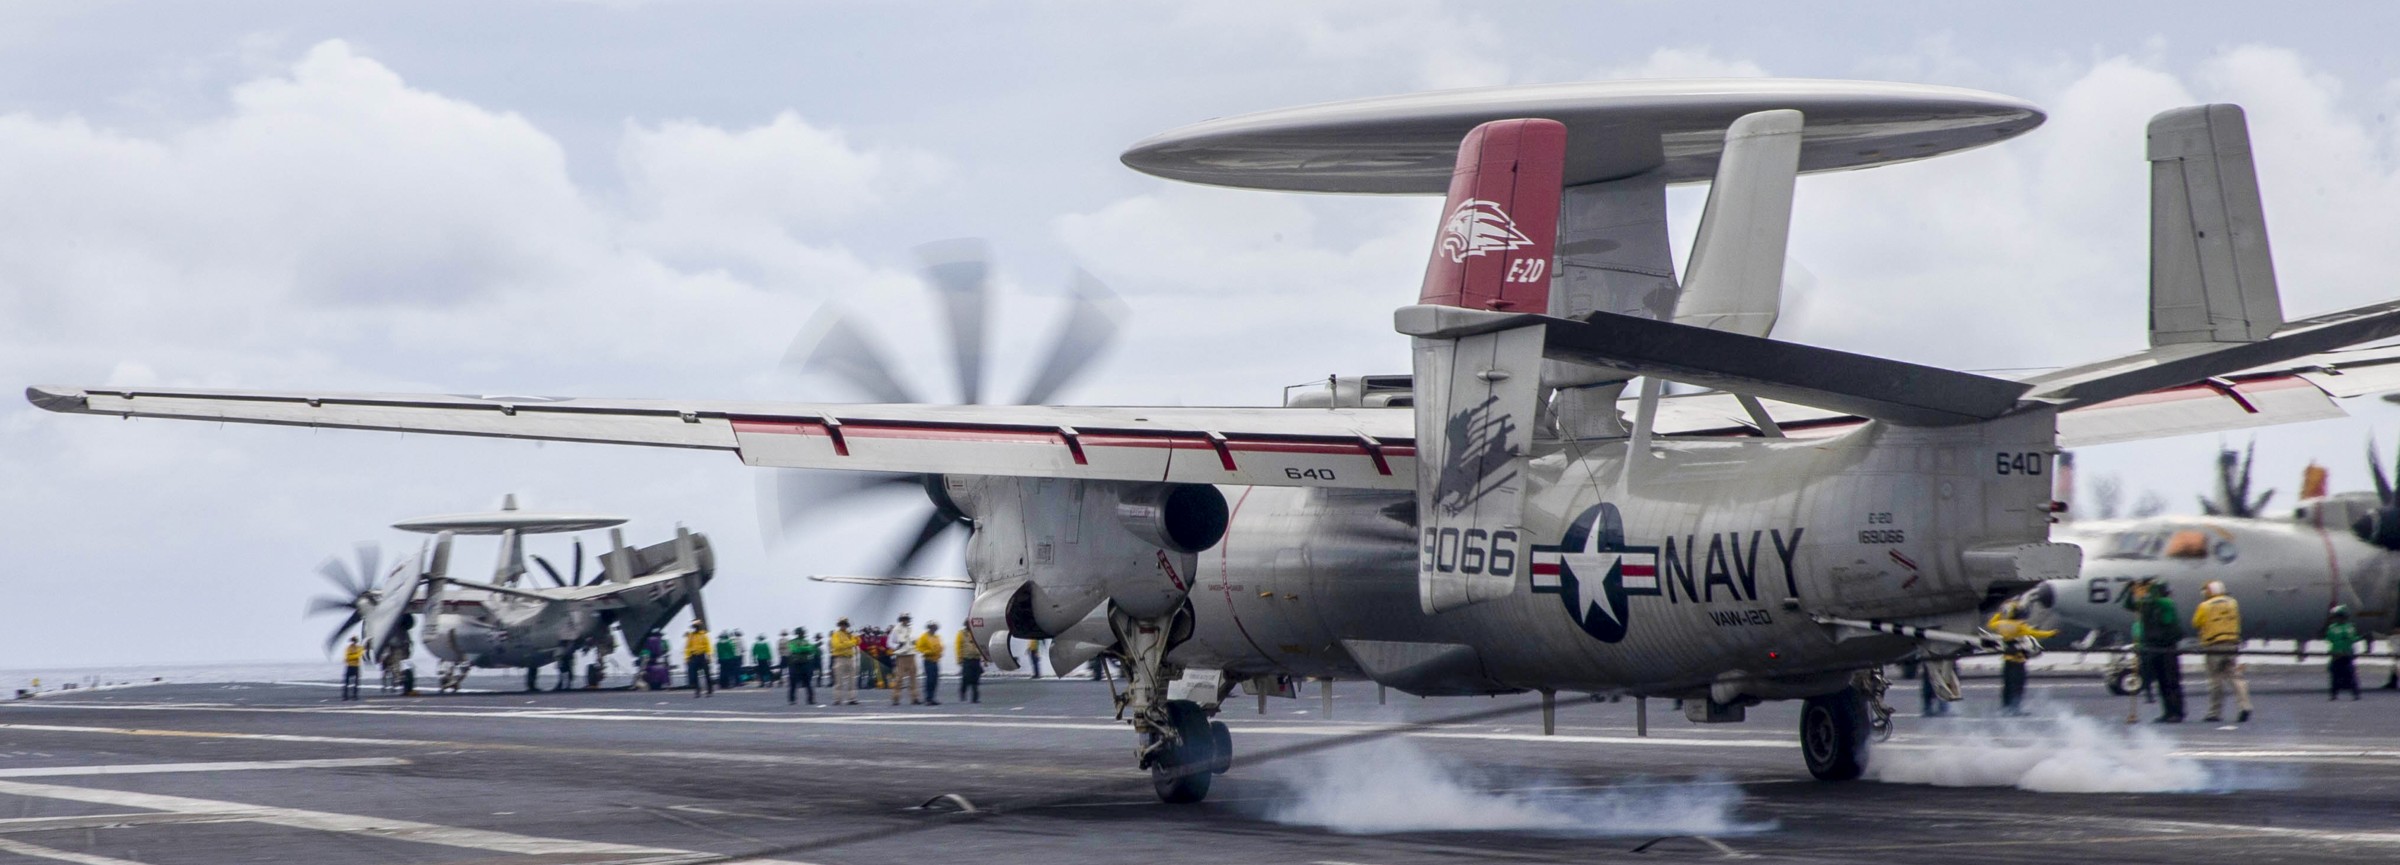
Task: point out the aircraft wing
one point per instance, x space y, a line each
613 594
1371 448
897 582
2300 390
1358 448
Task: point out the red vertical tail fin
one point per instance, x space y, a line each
1500 226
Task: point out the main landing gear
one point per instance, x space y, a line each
1181 746
1834 731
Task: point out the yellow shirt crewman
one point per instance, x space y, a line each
2218 619
695 661
843 646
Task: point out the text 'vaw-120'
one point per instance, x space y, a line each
1509 518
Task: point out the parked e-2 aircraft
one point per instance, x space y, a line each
1506 527
2287 569
506 622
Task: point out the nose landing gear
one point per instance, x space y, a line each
1181 746
1200 750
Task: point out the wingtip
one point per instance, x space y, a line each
61 399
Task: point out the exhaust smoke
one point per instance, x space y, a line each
2060 752
1395 786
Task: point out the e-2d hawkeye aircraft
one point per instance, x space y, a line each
2287 569
1506 527
507 622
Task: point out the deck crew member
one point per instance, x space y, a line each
901 640
2219 621
695 661
843 648
762 662
2341 655
2161 633
929 649
2010 625
352 656
970 667
800 667
729 659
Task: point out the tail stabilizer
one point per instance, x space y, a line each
437 577
511 565
2212 275
1500 225
1477 394
1735 280
1856 384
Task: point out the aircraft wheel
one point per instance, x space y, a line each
1221 744
1181 776
2123 683
1833 735
533 679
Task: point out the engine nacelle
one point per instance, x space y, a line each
1182 518
1050 551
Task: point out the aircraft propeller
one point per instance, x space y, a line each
959 271
2381 526
359 593
567 582
2233 486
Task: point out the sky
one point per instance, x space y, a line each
651 199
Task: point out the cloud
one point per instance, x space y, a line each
336 227
696 189
1426 43
1694 62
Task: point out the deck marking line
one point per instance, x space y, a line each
239 766
326 821
40 852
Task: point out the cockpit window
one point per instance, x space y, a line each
2188 544
2134 545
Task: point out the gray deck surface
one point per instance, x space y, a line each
621 776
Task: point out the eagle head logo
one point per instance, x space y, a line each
1477 227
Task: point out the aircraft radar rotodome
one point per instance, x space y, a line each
1408 144
507 519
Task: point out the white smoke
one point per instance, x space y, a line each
2056 753
1394 786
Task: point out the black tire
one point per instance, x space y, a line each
2124 683
1220 742
533 679
1181 775
1833 735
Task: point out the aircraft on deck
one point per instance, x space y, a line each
507 622
2287 569
1517 522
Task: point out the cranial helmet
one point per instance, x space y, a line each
2214 588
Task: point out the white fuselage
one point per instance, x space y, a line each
1743 541
2286 573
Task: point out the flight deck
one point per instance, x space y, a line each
281 772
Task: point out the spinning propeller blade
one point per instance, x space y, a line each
961 274
832 346
370 559
556 581
2383 482
1093 317
338 573
322 604
335 638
